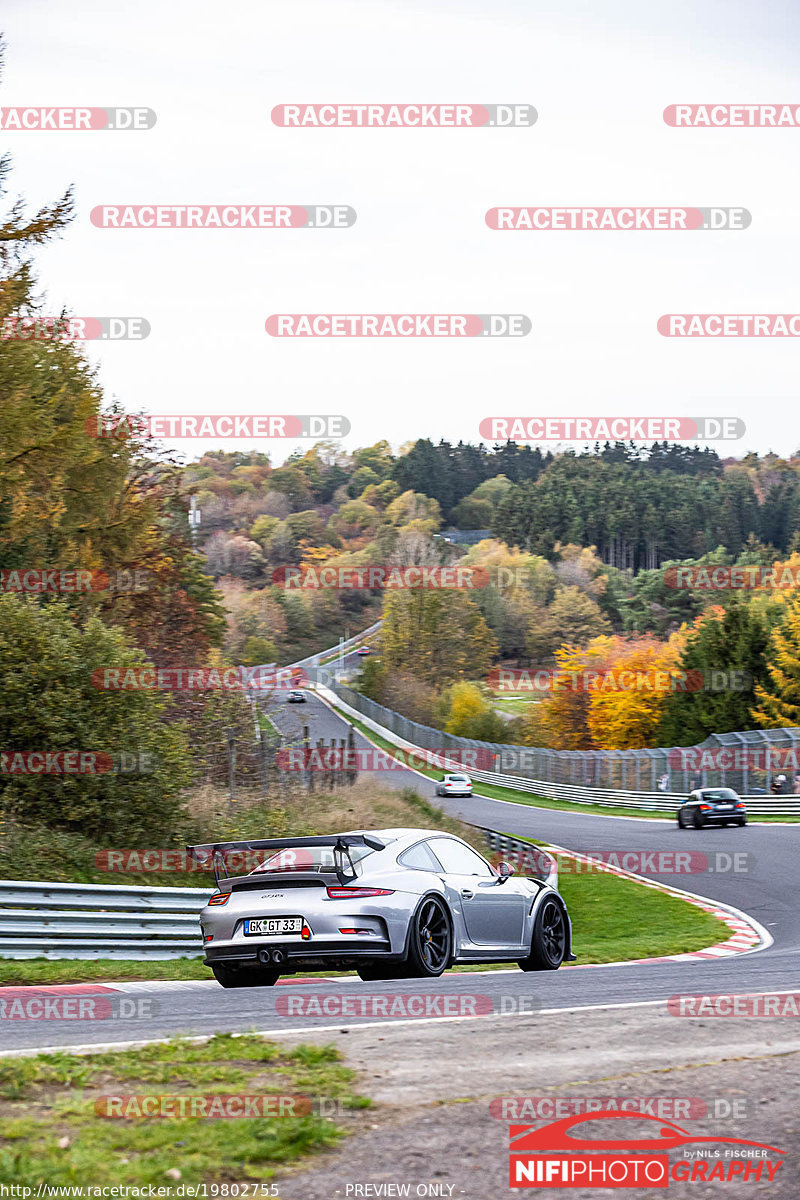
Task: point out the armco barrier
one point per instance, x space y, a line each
85 920
369 713
501 843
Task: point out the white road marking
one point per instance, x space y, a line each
305 1030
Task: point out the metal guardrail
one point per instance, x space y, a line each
90 921
640 801
722 760
544 865
354 705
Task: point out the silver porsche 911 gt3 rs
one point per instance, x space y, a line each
389 903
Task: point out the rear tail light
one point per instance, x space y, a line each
355 931
740 804
219 898
355 893
705 808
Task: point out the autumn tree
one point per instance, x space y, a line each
778 697
627 702
438 636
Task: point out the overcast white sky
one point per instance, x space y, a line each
599 75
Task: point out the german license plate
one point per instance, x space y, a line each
724 806
272 925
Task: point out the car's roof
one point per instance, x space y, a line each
402 833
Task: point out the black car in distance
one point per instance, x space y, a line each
712 806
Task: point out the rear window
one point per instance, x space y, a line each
458 778
420 858
719 794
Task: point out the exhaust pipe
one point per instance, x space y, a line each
268 956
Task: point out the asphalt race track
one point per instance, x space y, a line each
768 891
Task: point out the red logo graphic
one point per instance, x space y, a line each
633 1162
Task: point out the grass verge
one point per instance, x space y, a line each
51 1131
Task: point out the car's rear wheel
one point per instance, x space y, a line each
698 821
431 939
240 977
680 821
549 941
742 822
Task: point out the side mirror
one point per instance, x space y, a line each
505 871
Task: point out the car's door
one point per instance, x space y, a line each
494 912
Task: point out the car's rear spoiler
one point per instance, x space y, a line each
340 842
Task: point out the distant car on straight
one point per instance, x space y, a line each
388 903
363 651
454 785
296 697
712 806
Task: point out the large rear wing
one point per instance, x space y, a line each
214 853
